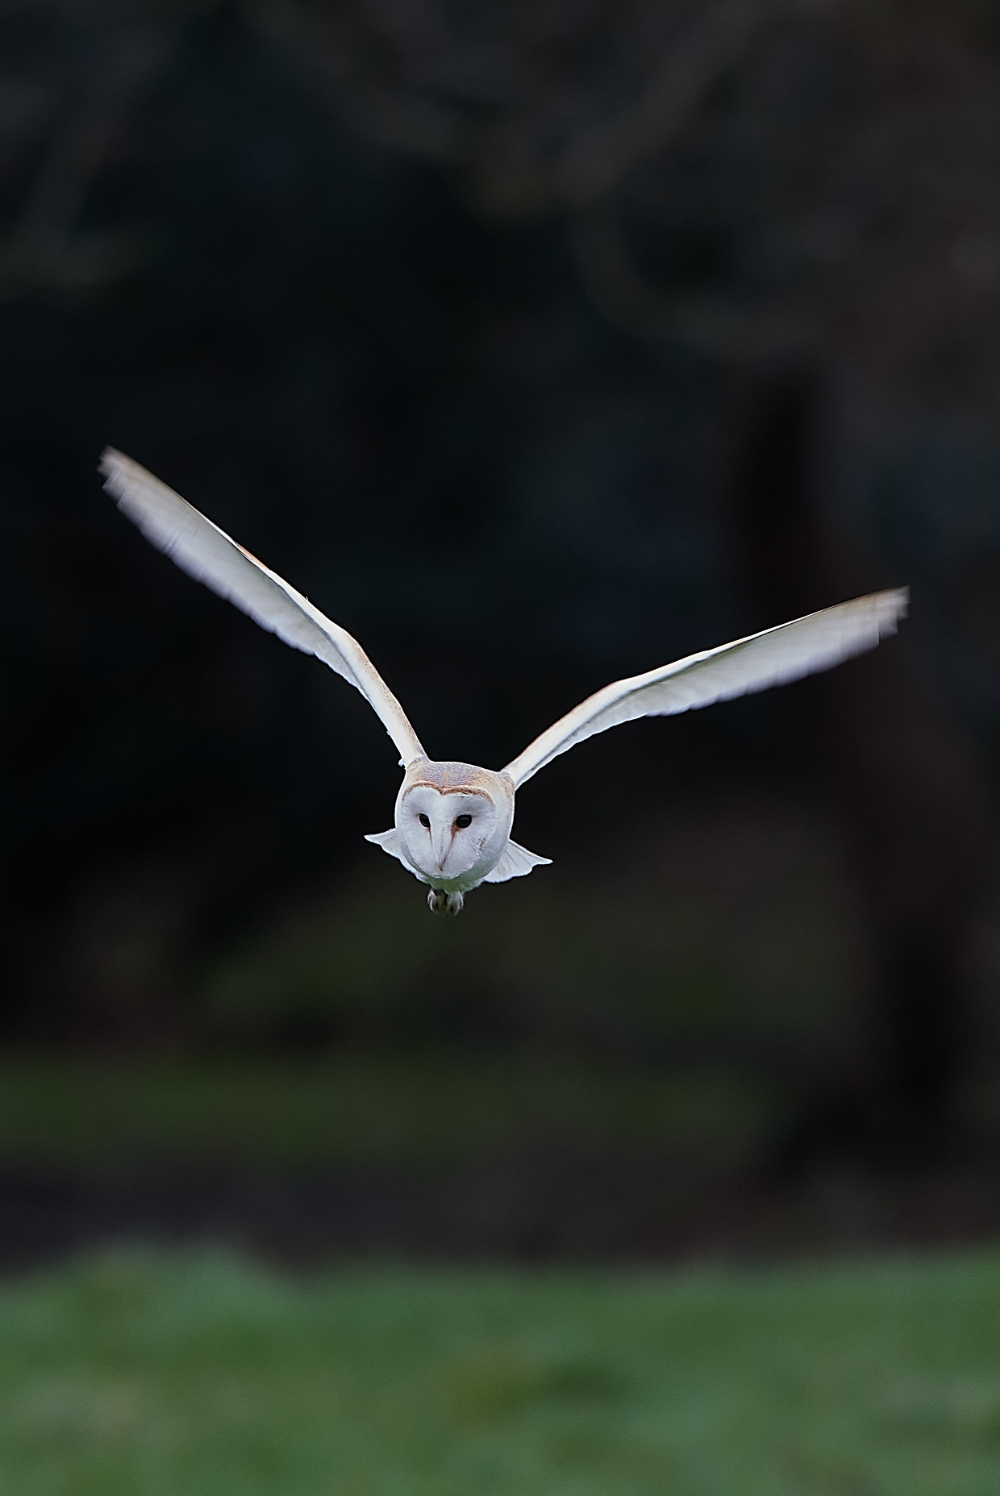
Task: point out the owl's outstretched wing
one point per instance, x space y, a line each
752 664
207 553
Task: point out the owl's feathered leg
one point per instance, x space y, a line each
439 902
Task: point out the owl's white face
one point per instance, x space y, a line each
453 825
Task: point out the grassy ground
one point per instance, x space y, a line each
154 1375
358 1109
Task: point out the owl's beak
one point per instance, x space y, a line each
442 846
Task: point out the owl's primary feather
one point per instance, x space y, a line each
453 820
770 658
208 554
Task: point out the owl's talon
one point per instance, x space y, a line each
439 902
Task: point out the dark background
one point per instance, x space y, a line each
539 344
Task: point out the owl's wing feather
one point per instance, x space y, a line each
769 658
389 842
208 554
516 862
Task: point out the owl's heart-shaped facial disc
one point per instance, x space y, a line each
453 822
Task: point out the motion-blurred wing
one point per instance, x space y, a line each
207 553
752 664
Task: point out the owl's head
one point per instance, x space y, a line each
453 820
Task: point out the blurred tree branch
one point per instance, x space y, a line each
869 187
105 62
851 150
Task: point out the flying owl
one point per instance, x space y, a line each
453 820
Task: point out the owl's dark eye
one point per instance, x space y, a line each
462 821
424 820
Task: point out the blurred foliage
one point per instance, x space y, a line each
111 1118
200 1373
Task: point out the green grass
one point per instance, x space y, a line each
424 1109
147 1374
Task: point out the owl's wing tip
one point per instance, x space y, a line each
387 840
516 862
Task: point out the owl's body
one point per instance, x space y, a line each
453 820
452 830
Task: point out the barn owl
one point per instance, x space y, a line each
453 820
